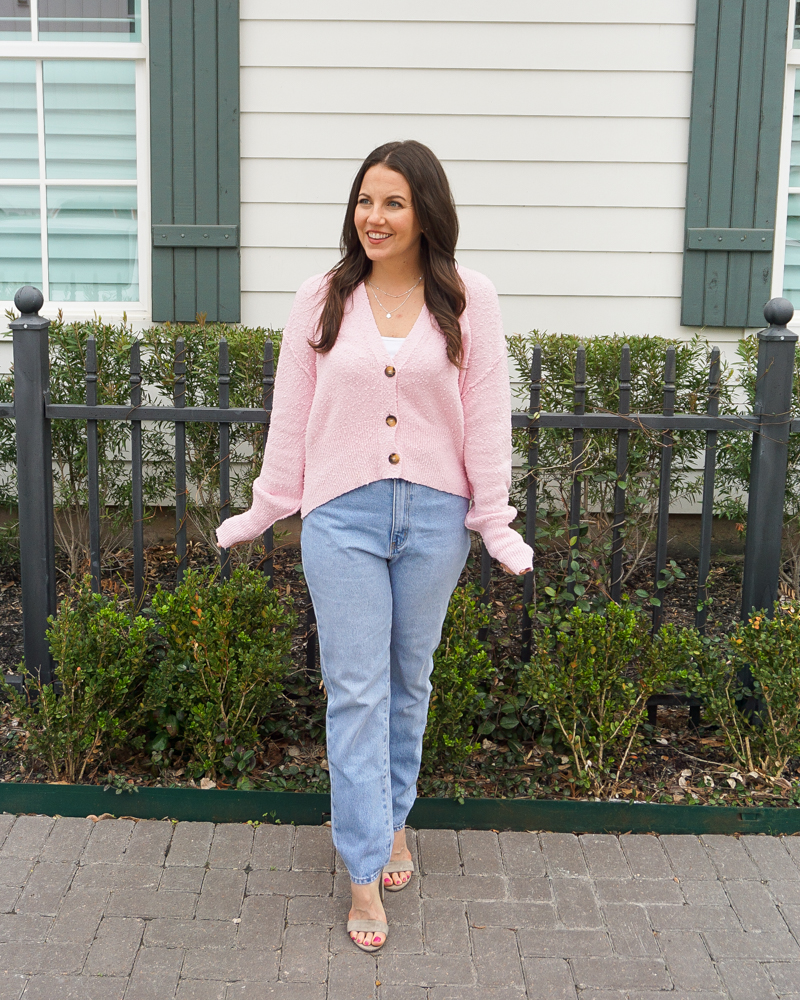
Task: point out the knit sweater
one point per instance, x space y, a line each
329 432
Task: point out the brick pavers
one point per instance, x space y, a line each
124 910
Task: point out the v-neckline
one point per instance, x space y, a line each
377 340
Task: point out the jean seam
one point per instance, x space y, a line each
388 810
394 509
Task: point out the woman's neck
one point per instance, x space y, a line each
395 277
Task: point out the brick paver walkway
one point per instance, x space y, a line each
119 910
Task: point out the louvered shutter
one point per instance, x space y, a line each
194 137
734 145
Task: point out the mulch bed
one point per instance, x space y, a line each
678 763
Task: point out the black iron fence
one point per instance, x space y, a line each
770 425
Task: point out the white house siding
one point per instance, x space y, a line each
563 129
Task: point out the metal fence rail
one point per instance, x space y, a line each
770 425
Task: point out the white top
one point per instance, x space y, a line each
392 344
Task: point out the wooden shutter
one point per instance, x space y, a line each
194 140
734 144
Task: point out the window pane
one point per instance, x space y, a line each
90 20
20 240
791 268
19 149
92 244
796 42
90 119
15 20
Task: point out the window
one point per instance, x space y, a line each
71 20
791 264
73 162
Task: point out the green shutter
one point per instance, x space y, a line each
734 146
194 141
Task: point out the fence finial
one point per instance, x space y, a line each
778 312
29 300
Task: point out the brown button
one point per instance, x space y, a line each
389 371
394 458
391 421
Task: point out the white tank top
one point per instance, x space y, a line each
392 344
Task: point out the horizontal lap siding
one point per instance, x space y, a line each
564 135
576 11
489 227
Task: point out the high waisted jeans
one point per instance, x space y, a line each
381 563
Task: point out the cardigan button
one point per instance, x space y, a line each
389 371
391 421
394 458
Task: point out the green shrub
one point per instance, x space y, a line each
228 647
201 354
581 575
760 719
68 345
592 675
462 668
103 657
68 348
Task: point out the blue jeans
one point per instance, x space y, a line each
381 563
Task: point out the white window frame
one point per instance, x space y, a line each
138 312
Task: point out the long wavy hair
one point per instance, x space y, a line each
433 203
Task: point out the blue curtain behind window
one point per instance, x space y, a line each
90 134
20 239
19 148
791 269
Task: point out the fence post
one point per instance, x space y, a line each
34 479
769 458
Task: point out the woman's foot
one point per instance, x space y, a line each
400 852
367 905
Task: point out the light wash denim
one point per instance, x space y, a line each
381 563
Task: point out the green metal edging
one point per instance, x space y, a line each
308 808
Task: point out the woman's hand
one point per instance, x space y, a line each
511 571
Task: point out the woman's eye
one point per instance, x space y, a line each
395 204
363 201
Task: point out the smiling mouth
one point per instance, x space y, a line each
378 236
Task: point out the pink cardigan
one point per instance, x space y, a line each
329 434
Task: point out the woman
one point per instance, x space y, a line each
391 432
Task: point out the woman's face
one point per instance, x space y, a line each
385 218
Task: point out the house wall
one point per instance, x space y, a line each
563 129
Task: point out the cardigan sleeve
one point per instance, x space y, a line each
278 490
486 401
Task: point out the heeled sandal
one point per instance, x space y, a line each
370 926
397 866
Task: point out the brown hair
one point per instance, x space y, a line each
433 203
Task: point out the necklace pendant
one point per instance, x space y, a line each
388 315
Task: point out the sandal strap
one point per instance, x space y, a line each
368 925
398 866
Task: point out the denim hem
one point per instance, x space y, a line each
397 829
367 881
